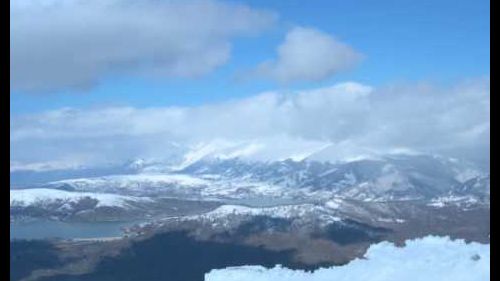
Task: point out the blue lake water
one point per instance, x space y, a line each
44 229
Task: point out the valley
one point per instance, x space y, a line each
302 215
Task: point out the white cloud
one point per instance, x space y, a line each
62 44
429 258
309 55
353 119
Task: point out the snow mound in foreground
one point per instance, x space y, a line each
429 258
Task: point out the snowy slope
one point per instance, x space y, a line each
261 150
45 196
393 177
299 211
135 179
429 258
437 181
386 179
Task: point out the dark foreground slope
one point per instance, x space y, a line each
171 256
27 256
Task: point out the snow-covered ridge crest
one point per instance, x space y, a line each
392 178
282 211
41 196
263 149
134 179
428 258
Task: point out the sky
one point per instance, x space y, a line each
122 79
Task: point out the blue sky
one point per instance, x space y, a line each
432 41
104 81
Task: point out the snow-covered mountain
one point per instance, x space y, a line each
393 177
57 204
60 204
432 180
323 212
45 196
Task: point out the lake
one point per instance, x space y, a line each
45 229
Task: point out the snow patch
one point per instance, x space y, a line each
441 202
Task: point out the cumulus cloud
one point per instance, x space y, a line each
339 122
61 44
429 258
308 55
